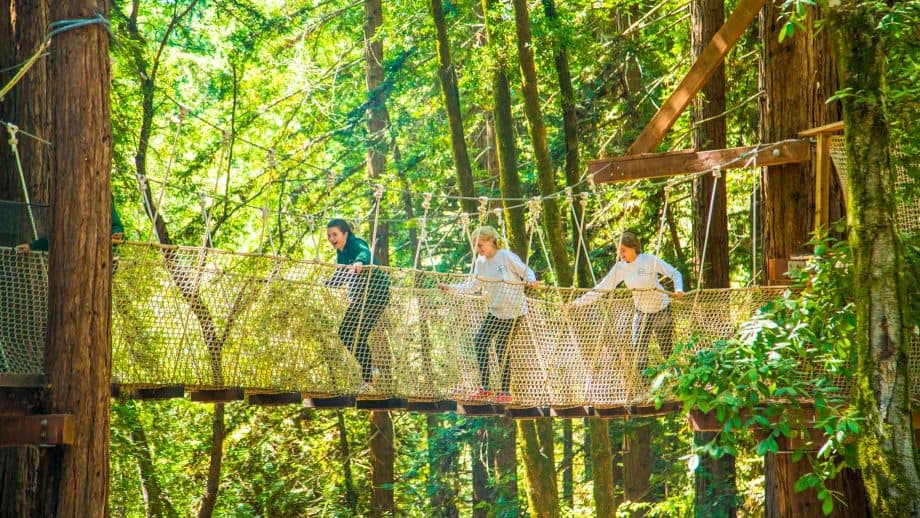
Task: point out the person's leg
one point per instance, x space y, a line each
505 333
664 331
350 331
641 333
372 310
481 343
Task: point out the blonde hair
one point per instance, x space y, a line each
489 234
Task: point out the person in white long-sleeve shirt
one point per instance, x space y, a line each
640 273
500 275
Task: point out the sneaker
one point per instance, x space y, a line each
503 398
482 395
365 388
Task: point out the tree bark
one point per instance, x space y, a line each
23 28
887 453
451 97
568 483
481 460
351 497
378 119
715 478
781 499
509 180
537 450
798 77
552 220
381 445
442 462
637 464
78 356
605 505
212 486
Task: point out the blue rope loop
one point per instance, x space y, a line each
60 26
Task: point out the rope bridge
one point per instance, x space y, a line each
209 319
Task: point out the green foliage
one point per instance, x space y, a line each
796 352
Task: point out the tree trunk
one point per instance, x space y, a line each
602 469
23 28
570 134
798 78
155 501
715 478
568 483
552 220
351 497
781 499
378 119
637 463
887 453
78 356
451 96
504 444
509 180
442 463
212 486
381 445
481 461
537 451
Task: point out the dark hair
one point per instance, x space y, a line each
340 224
630 240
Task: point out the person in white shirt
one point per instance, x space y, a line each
640 273
500 275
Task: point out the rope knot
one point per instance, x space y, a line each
12 129
717 172
378 191
591 183
426 203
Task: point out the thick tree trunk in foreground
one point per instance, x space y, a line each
798 78
381 443
637 463
451 96
78 356
537 450
887 452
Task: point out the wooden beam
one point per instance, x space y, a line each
533 412
699 74
822 181
329 402
656 165
36 430
22 380
572 412
275 399
392 403
157 393
429 406
216 395
834 127
479 409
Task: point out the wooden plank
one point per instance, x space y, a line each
627 411
708 422
277 399
22 380
572 412
393 403
657 165
428 406
217 395
834 127
20 401
40 430
533 412
822 181
479 409
329 402
157 393
710 58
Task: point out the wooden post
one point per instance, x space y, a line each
822 170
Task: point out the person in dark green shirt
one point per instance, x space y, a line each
368 293
41 244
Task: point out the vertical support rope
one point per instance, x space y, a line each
12 129
172 155
423 229
661 224
716 174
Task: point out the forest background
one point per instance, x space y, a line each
249 122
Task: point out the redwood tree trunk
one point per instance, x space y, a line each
537 450
887 453
451 96
78 356
212 486
381 443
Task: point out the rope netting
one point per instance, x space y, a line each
907 187
209 319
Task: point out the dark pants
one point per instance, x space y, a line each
660 323
359 320
502 331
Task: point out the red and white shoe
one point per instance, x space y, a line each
481 395
503 398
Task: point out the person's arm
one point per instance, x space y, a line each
517 266
469 287
118 229
608 283
672 273
361 252
340 277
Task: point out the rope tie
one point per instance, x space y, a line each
423 229
483 209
